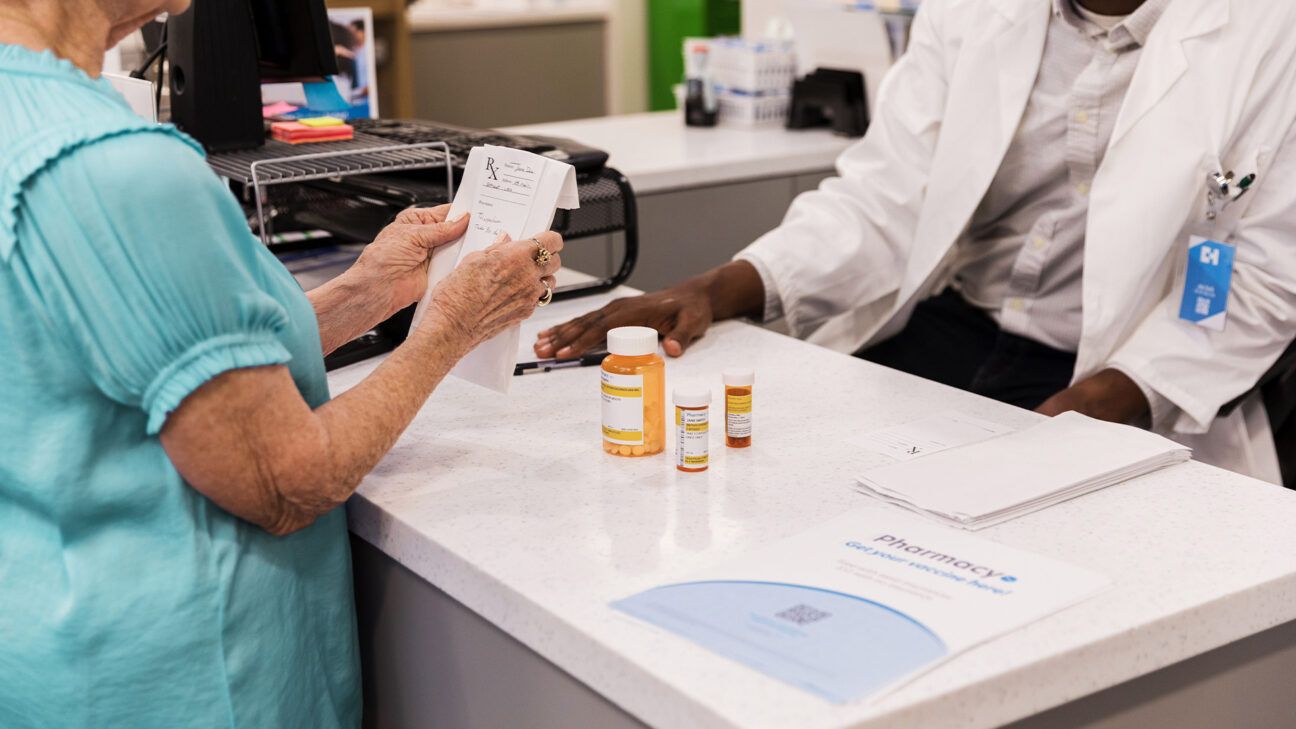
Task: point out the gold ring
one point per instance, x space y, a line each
548 295
543 255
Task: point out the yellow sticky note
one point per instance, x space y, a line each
322 121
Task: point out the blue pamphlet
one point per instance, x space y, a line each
862 603
1206 286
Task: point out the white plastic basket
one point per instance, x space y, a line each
756 67
746 110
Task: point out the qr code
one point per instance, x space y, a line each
803 615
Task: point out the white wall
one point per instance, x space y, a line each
756 14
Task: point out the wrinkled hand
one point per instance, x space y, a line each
682 313
494 289
395 265
1109 395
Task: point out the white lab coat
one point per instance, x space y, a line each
1215 90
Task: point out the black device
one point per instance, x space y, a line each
461 140
830 97
219 52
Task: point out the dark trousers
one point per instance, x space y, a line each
952 342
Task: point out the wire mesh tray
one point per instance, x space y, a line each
279 163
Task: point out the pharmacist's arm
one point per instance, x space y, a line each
681 313
840 247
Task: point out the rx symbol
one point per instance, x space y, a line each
490 169
1210 256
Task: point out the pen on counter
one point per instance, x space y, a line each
593 359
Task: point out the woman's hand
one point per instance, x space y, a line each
390 275
495 288
395 264
250 442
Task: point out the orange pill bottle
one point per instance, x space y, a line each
634 394
692 429
738 407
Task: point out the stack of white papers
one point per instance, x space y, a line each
988 483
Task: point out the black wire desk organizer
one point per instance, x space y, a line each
351 189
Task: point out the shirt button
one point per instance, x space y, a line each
1082 117
1038 243
1016 304
1083 189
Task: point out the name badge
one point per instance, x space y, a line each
1206 287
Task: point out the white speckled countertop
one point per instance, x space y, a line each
658 152
509 505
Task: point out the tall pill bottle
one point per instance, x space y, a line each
738 407
634 394
692 429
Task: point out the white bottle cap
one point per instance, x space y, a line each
632 341
692 396
739 378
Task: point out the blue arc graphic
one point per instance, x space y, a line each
839 646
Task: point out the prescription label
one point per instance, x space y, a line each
738 416
623 409
692 438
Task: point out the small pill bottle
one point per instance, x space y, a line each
692 429
634 394
738 407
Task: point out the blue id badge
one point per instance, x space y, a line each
1206 287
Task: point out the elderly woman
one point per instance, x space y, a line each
172 553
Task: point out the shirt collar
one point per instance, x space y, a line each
1133 31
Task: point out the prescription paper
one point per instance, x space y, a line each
933 434
506 191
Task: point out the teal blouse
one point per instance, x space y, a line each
128 278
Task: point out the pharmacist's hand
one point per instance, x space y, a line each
395 265
1109 395
682 314
496 288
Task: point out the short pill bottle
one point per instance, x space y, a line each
692 429
738 407
634 394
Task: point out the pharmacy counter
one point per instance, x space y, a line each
499 533
659 153
704 193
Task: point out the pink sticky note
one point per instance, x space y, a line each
277 108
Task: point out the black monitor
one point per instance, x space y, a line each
220 51
294 42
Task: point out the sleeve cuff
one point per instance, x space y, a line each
1163 412
202 363
773 302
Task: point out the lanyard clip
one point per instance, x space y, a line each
1224 189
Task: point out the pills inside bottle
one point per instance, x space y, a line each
738 407
692 429
634 394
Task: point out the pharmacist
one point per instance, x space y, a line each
1023 214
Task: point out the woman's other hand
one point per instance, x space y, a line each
395 265
495 288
